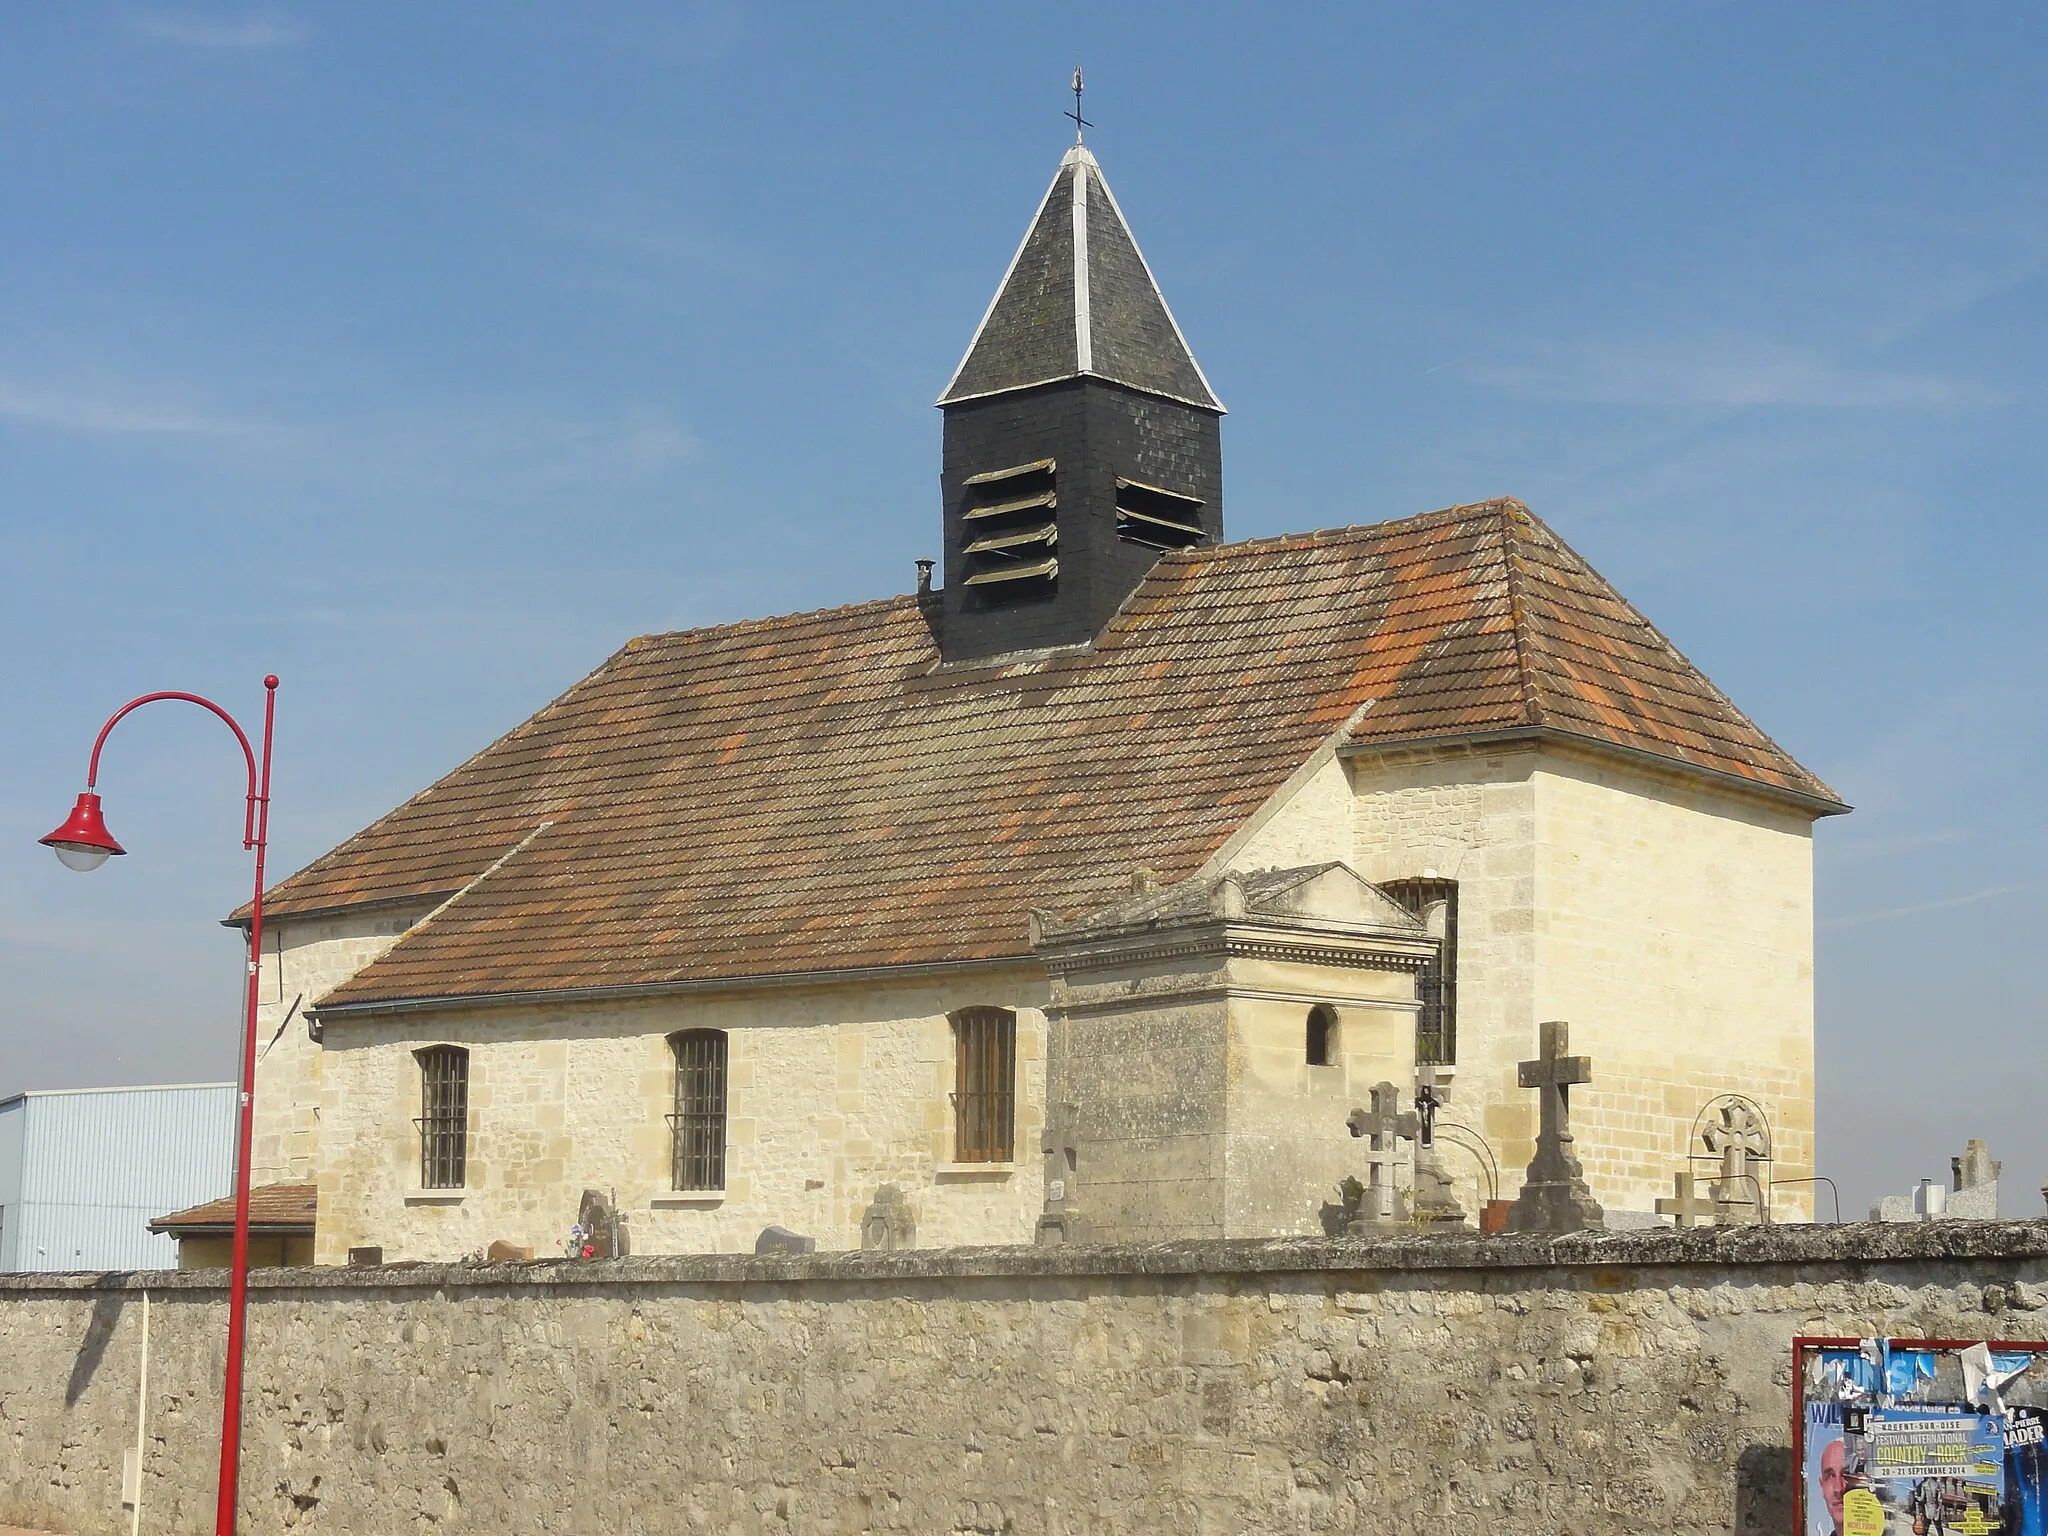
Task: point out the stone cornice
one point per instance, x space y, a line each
1988 1250
1065 954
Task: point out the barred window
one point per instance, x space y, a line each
444 1116
1436 1026
984 1085
698 1124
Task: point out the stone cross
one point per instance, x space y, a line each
1553 1075
1388 1128
1738 1138
1554 1195
1685 1207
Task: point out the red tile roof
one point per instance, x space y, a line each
816 792
272 1208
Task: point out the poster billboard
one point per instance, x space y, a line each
1932 1437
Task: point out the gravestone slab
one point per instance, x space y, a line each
604 1230
890 1224
782 1240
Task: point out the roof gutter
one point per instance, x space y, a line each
336 1013
1818 805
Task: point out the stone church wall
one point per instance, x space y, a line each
1603 1386
303 960
1675 931
831 1092
1669 923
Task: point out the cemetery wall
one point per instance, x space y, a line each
1610 1383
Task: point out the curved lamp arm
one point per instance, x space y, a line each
252 833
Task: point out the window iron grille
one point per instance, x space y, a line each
1436 1024
697 1127
984 1085
444 1117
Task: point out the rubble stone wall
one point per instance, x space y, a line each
1612 1383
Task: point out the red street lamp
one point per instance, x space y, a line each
84 843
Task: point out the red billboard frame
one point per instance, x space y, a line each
1804 1342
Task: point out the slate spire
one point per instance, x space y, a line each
1081 440
1079 302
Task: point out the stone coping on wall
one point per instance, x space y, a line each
1852 1243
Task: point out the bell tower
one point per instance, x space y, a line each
1081 438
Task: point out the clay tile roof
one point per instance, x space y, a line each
273 1208
816 792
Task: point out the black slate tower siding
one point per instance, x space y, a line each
1136 406
1096 432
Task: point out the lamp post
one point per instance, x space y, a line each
84 843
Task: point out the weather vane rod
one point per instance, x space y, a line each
1080 122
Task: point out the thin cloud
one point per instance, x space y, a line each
1734 371
251 34
1865 919
85 411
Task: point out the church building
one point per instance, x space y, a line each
1080 896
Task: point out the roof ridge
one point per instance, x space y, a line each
1731 711
771 621
1324 536
1510 559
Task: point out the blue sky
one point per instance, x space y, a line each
423 354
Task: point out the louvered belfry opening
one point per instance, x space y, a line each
698 1125
984 1085
444 1116
1081 439
1154 516
1436 1025
1011 531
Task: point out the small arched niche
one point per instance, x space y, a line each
1322 1036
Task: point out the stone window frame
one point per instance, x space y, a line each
444 1116
697 1126
984 1085
1436 986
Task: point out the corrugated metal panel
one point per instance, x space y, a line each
13 1116
98 1164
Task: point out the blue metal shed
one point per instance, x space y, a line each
82 1171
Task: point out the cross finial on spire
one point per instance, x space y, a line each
1080 122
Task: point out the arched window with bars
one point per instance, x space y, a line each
444 1116
697 1125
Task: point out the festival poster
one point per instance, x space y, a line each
1934 1471
1890 1445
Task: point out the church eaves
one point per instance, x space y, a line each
1079 301
815 793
